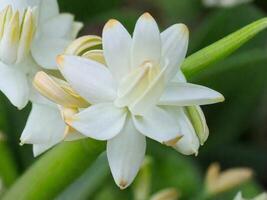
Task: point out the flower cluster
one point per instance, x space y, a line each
130 90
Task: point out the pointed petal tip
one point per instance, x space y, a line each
147 15
123 184
111 23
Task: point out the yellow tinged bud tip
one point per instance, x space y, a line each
111 23
147 15
123 184
173 141
60 60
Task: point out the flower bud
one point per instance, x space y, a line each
219 182
166 194
16 34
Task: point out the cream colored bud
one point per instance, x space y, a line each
218 182
16 34
83 44
166 194
58 91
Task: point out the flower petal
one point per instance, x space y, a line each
14 85
146 41
126 153
48 9
187 94
158 124
117 46
38 149
101 121
59 26
189 143
174 47
46 49
44 126
90 79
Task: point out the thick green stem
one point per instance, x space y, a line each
55 170
8 170
87 184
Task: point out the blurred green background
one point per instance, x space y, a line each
238 127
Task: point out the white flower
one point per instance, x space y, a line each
224 3
45 126
136 95
32 34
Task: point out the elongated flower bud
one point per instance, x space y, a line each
16 34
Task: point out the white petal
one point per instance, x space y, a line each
187 94
189 143
101 121
48 9
179 77
146 44
14 85
125 154
158 125
59 26
41 148
117 46
44 126
174 47
76 28
45 50
90 79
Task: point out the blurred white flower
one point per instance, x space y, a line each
137 94
262 196
224 3
32 34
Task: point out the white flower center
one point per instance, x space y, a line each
137 83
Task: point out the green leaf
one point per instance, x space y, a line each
222 48
55 170
84 187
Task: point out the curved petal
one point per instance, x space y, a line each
46 49
158 124
59 26
117 46
76 28
44 126
189 143
146 44
90 79
187 94
101 121
179 77
48 9
126 153
14 85
174 47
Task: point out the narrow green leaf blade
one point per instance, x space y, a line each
222 48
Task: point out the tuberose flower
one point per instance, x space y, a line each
139 93
32 34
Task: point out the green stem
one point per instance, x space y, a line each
8 170
86 185
55 170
